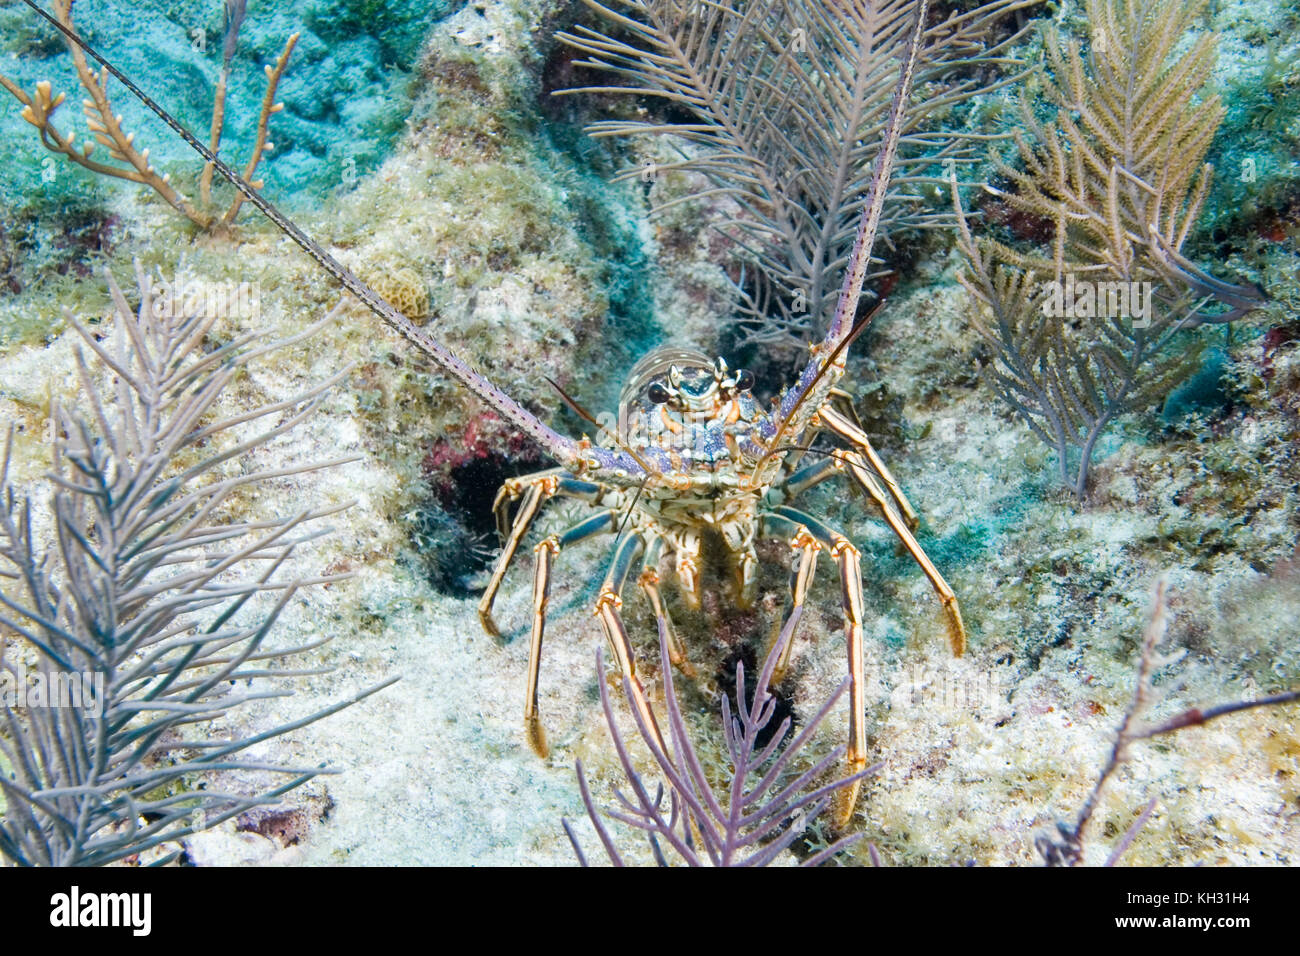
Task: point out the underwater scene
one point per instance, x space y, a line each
649 432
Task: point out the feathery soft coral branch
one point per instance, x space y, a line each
759 815
788 104
1118 171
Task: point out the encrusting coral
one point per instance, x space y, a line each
403 288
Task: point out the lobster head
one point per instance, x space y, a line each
694 409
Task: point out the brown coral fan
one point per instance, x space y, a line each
1119 173
105 126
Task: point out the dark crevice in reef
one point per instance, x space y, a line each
453 529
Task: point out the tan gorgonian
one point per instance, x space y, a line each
129 162
1119 172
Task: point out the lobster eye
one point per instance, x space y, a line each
658 394
744 380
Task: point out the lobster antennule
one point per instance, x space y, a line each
585 415
789 422
565 450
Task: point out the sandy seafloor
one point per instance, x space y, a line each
533 266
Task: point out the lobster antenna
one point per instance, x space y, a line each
588 417
860 259
562 448
883 168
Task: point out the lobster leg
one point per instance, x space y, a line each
544 554
848 429
745 571
536 493
536 489
510 491
801 541
649 582
850 565
815 428
686 548
850 562
607 609
857 468
856 465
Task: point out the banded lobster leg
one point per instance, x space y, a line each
780 521
838 416
544 555
686 562
807 547
535 489
649 582
608 603
843 421
860 472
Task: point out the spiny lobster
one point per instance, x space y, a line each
694 451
